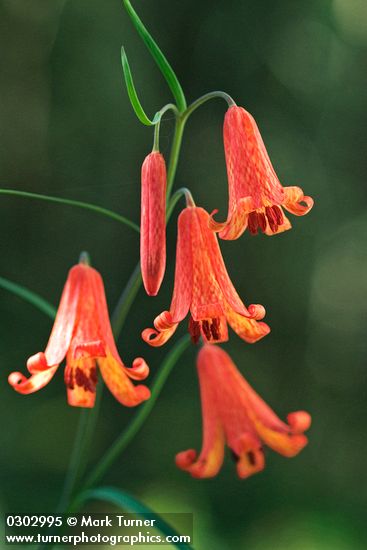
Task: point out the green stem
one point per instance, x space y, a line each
157 121
203 99
175 153
71 202
182 192
75 458
142 414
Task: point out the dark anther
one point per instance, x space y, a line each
206 329
261 221
215 328
278 214
251 458
272 218
194 330
253 223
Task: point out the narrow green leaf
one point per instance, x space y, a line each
133 96
158 57
28 296
72 202
130 504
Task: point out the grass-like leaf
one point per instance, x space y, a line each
29 296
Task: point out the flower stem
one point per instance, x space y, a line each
142 414
75 458
157 122
203 99
175 153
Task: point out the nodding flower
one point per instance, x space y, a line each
234 414
203 287
82 334
256 197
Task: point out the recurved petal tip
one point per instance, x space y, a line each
164 328
38 380
299 421
139 370
198 468
185 459
37 363
257 311
293 200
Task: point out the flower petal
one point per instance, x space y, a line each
285 443
250 171
164 328
63 327
24 385
216 266
249 456
117 379
182 291
238 221
292 199
207 464
81 381
249 330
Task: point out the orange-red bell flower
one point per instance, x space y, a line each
202 285
82 333
256 197
153 222
234 413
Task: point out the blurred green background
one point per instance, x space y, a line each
67 129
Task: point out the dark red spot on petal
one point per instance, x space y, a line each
84 380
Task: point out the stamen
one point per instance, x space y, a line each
206 329
278 214
251 458
253 223
261 221
272 219
194 330
215 328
